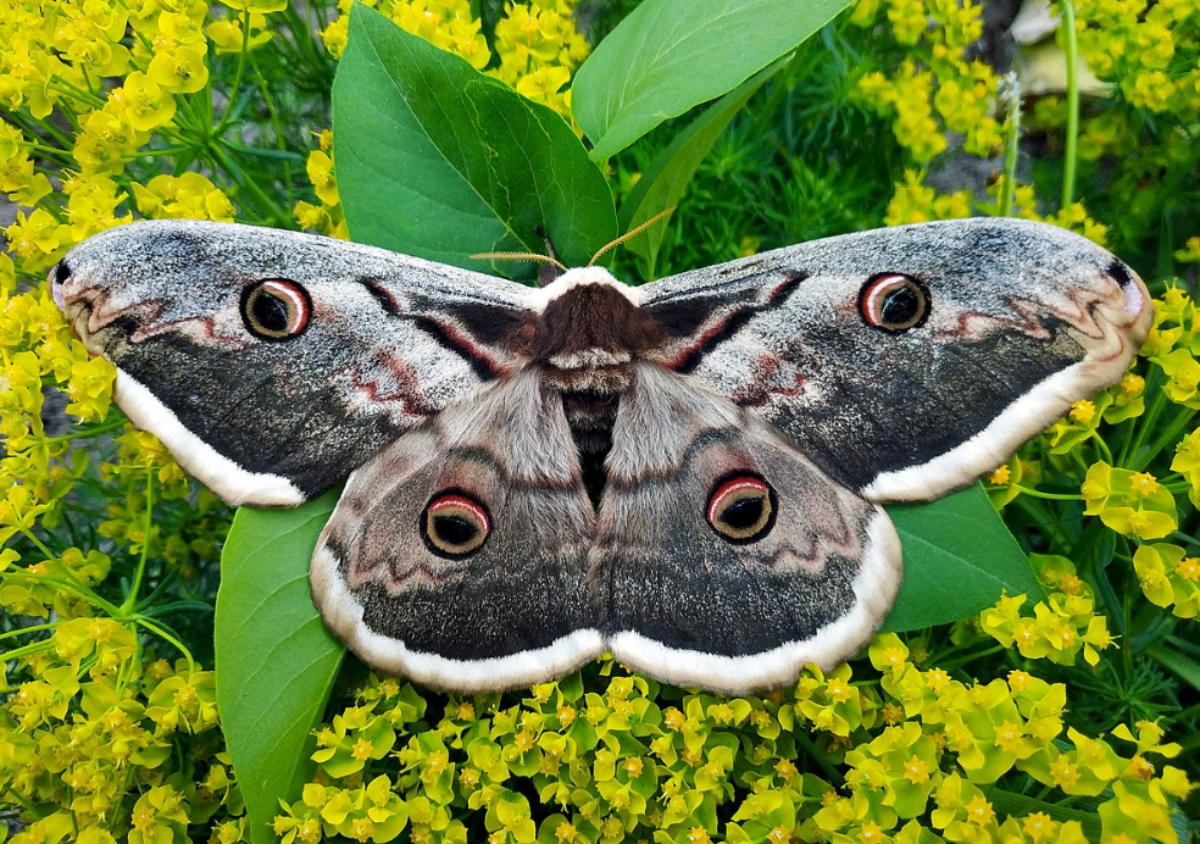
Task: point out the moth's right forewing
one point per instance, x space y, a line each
1021 320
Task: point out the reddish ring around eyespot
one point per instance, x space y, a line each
893 302
455 525
450 502
741 508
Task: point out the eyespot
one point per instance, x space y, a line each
742 508
893 302
455 525
61 272
276 309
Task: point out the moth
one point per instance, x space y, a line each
688 474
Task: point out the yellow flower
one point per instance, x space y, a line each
180 72
147 106
261 7
1083 411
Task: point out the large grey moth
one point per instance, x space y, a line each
687 474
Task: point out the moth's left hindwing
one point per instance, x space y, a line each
459 556
723 557
271 363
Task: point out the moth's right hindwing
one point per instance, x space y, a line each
723 557
273 363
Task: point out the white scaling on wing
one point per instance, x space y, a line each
235 484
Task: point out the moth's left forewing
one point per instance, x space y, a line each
1058 320
1020 320
359 345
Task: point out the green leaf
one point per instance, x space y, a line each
275 659
669 56
664 182
958 558
437 160
1186 669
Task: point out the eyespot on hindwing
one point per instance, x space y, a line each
741 508
454 524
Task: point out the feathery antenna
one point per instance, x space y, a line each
518 256
632 233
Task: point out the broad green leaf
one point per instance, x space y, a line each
275 659
669 56
437 160
664 182
958 559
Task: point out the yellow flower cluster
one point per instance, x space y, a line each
76 758
937 90
538 48
57 57
1062 626
923 753
915 202
1138 504
1149 49
327 217
92 91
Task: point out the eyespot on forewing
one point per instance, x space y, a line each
276 309
893 302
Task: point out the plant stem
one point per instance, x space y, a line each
26 650
154 628
237 78
1012 149
1052 496
147 524
33 628
1070 50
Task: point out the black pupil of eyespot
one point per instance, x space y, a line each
271 311
454 530
62 272
900 305
744 513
